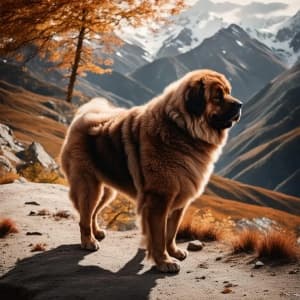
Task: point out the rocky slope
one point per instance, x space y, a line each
264 146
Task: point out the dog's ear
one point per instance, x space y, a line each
195 99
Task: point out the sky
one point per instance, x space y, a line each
293 5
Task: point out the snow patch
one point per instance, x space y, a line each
239 43
119 54
224 51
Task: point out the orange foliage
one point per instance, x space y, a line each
8 178
278 245
67 32
7 226
204 227
246 241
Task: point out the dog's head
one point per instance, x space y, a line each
208 96
207 108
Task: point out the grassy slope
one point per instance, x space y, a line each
27 115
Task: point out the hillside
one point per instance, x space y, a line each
34 117
247 63
249 194
263 146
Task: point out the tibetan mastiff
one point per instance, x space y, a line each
161 154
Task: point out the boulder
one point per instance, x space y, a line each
5 166
35 153
7 139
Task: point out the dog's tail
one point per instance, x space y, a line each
91 116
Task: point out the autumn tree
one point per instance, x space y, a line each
67 32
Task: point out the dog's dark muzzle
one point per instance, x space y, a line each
232 115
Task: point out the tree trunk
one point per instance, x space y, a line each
75 64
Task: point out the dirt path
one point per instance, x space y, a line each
119 269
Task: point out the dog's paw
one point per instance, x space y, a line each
168 267
99 234
91 245
178 253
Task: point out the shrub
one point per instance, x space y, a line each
278 245
7 226
246 241
38 247
204 227
9 177
37 173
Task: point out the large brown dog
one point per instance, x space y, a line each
161 153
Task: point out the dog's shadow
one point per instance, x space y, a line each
57 274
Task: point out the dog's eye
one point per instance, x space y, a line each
218 100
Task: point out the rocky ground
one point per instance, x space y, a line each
119 270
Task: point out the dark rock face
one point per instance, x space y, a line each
295 42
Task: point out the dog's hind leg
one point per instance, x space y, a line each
172 227
84 192
106 197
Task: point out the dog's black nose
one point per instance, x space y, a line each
238 104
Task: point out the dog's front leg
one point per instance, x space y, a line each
154 218
174 220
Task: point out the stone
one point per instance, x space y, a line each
258 264
7 139
35 153
5 166
195 245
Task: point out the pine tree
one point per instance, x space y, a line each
66 31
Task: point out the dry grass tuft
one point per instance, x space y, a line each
7 226
246 241
39 247
203 227
37 173
278 246
9 178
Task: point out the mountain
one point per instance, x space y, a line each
265 145
247 63
128 57
203 18
282 38
122 86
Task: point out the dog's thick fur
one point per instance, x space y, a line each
161 153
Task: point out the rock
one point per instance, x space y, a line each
50 104
203 266
7 139
263 224
195 246
35 153
21 180
5 166
32 203
258 264
227 291
33 233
